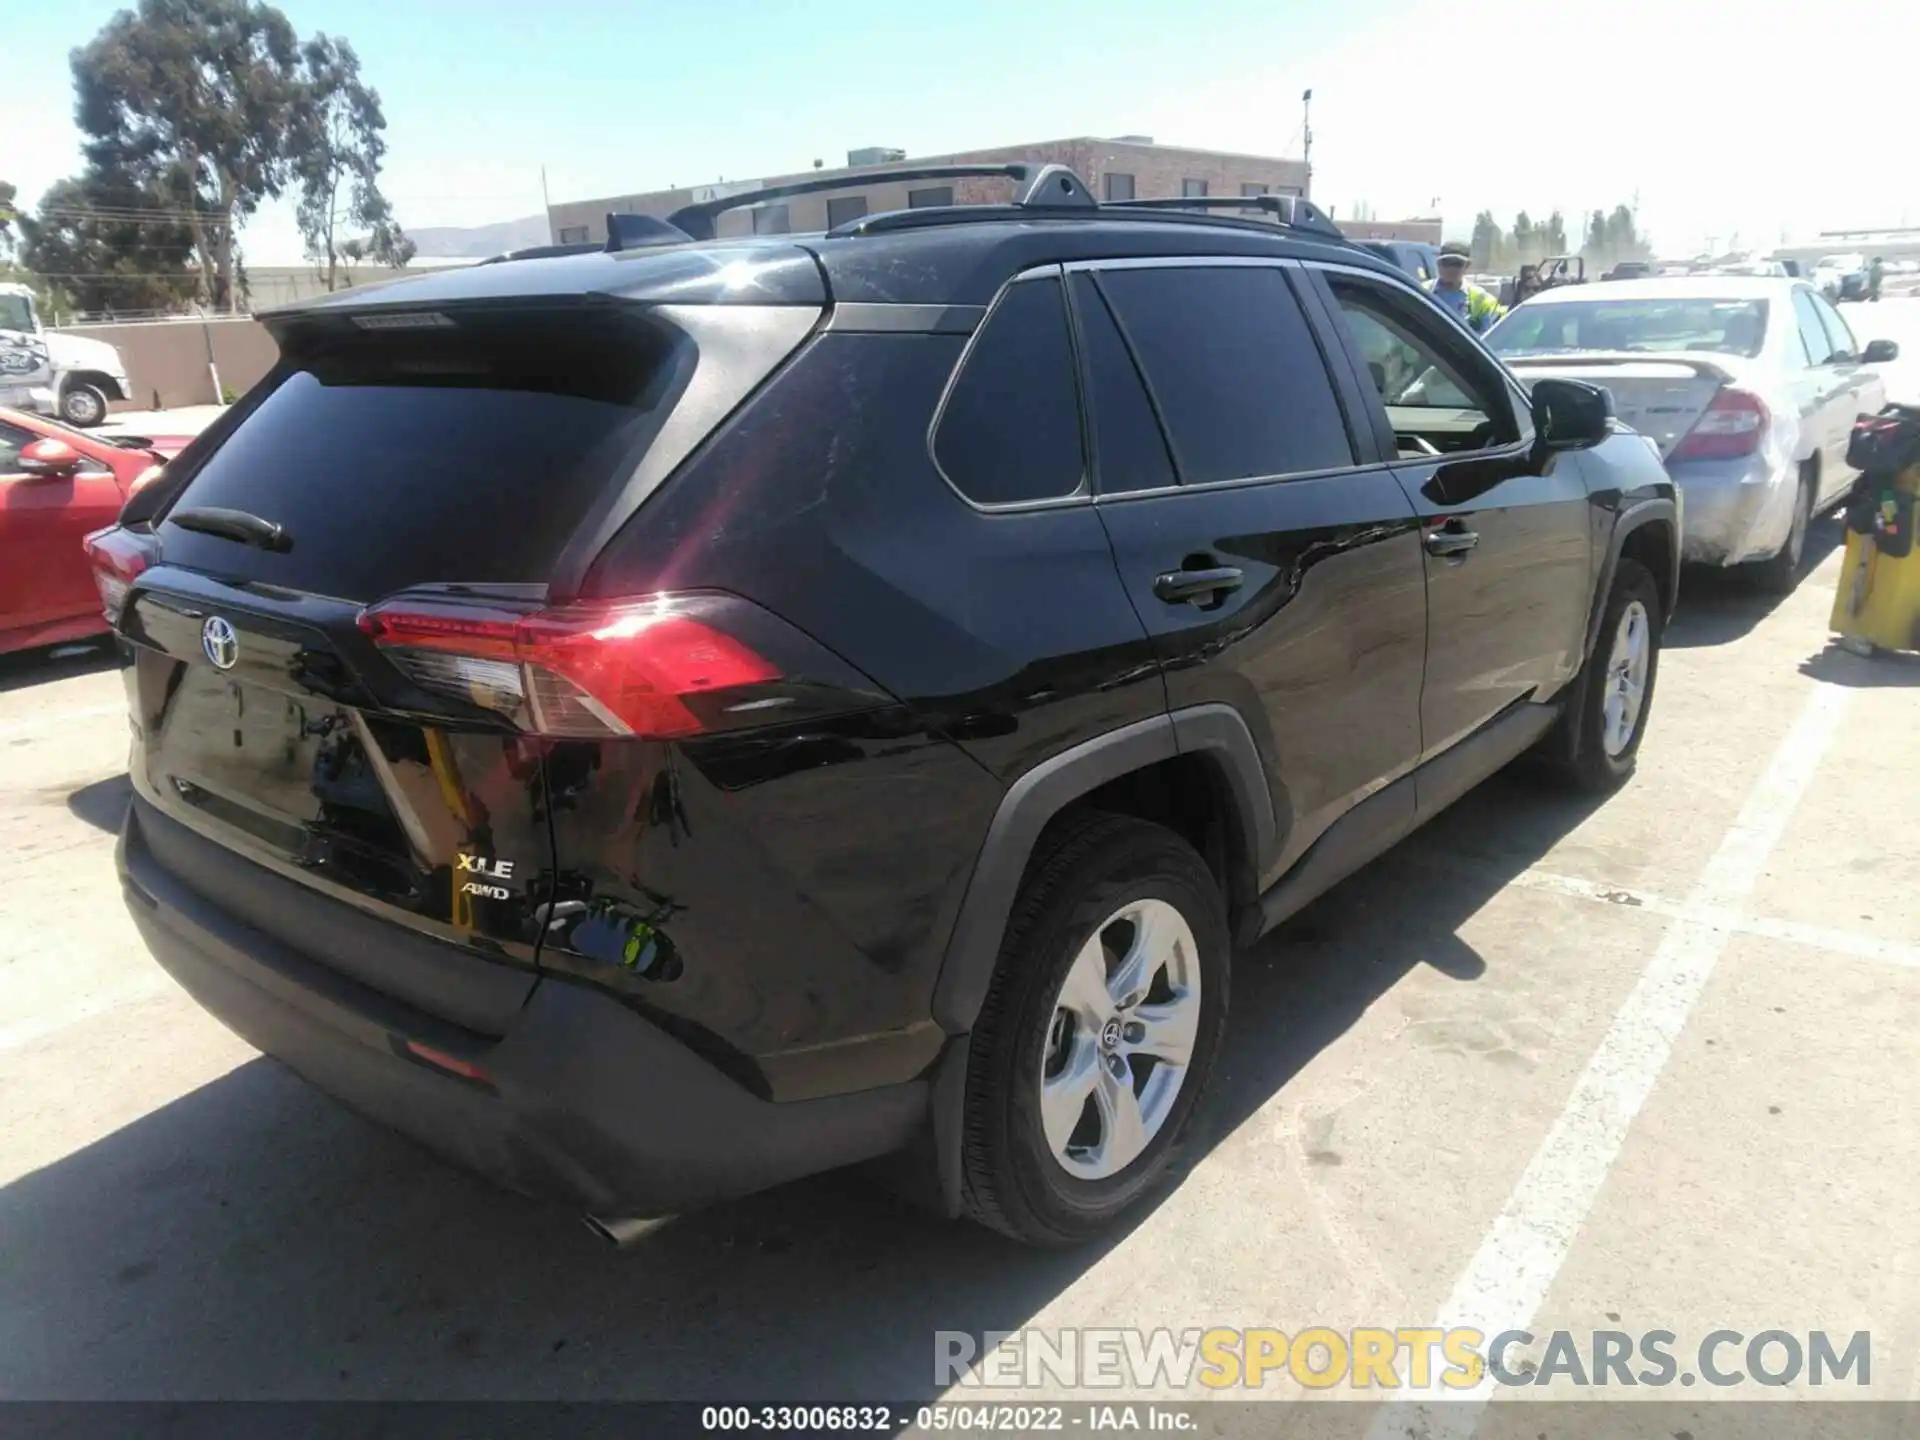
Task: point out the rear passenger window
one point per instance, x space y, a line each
1129 451
1813 335
1235 369
1838 332
1011 427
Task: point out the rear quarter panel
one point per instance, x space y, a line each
826 867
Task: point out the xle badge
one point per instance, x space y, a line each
491 869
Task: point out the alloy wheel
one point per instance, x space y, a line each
1121 1040
1626 681
82 407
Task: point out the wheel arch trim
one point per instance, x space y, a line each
1216 732
104 381
1638 515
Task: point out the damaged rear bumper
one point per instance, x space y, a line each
582 1099
1734 510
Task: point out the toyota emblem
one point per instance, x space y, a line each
219 641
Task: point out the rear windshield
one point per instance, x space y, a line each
467 454
1730 327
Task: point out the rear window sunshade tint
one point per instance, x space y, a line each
465 454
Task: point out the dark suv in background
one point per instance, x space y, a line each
655 723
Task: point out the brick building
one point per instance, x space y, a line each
1129 167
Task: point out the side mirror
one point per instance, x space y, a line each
49 458
1571 414
1879 352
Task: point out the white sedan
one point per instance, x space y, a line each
1748 386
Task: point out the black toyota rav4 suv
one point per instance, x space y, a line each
654 723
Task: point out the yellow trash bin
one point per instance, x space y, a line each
1878 604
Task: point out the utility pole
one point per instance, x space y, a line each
1306 133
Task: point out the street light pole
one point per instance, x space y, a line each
1306 132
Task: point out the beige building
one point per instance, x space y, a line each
1127 168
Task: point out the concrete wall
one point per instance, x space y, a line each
167 359
271 286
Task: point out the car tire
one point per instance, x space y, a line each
83 406
1591 748
1117 944
1780 572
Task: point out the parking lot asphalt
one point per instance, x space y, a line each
1641 1063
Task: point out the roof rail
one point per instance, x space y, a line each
1292 211
1051 187
538 252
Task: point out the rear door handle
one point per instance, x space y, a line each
1453 538
1177 586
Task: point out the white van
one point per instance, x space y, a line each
83 374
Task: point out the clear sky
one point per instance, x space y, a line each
1757 119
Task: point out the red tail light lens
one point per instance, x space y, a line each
582 671
118 557
1732 426
452 1064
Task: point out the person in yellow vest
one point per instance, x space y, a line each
1476 309
1878 607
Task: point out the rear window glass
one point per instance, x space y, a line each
396 459
1730 327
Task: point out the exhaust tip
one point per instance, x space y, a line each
618 1231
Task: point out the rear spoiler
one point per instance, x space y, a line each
1707 367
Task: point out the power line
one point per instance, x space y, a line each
136 217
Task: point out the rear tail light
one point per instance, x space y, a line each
452 1064
1733 425
118 556
665 666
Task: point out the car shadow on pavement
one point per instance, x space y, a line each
26 668
1886 669
1719 606
103 804
1306 984
251 1239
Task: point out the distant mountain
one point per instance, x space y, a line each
479 241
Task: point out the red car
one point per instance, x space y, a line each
56 485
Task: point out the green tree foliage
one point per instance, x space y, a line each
1625 236
98 248
1488 243
1610 238
197 102
8 216
1553 235
337 160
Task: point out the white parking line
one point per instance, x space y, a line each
1814 937
1508 1278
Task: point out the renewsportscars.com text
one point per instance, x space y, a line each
1402 1358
